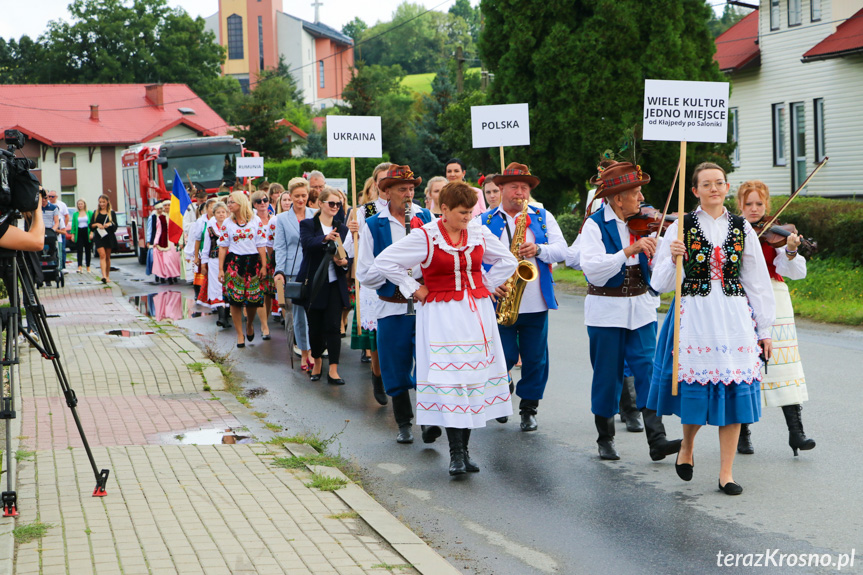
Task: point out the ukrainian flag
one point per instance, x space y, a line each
180 202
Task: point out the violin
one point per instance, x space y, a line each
777 234
646 222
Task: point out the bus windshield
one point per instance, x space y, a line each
209 171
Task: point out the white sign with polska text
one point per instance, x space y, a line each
503 125
250 167
685 111
354 137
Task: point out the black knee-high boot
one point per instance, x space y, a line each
660 446
469 464
628 411
605 441
404 413
796 438
457 465
744 442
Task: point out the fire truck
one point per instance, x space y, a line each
148 175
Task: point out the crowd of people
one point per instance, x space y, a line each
430 279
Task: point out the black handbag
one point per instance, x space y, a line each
296 290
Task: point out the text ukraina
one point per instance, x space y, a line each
354 136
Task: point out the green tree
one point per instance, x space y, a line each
355 29
314 146
469 14
580 66
259 112
20 61
731 15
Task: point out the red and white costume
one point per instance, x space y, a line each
460 367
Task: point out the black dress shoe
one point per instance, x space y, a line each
265 337
744 442
405 435
684 470
241 345
335 381
528 422
250 336
660 449
315 376
365 359
378 390
607 451
430 433
503 419
730 488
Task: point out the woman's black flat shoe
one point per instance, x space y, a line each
365 359
251 336
730 488
265 337
241 345
684 470
315 376
335 381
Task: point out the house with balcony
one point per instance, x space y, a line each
796 72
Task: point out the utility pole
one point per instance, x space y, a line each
459 60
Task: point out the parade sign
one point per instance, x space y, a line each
354 137
685 111
250 167
504 125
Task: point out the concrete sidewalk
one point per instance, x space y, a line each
179 501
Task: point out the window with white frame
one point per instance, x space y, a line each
795 13
815 10
779 135
735 136
774 15
67 196
820 149
798 144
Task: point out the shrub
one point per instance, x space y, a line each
834 224
569 224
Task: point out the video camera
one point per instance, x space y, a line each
19 188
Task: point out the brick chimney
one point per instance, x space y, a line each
155 94
94 112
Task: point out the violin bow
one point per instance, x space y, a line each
668 201
775 217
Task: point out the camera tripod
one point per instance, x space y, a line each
14 272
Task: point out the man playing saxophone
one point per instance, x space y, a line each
542 245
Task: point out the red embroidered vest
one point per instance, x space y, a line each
448 277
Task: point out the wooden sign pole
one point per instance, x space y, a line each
502 165
679 275
356 244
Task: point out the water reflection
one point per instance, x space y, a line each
167 305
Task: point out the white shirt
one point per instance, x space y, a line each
753 270
552 252
368 273
268 229
380 204
64 212
793 269
331 269
599 267
243 240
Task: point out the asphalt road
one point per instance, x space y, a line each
545 503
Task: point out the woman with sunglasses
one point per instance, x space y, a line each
329 295
267 226
242 264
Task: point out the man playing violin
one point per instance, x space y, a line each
620 309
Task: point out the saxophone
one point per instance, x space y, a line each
507 307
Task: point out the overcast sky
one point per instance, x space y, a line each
20 17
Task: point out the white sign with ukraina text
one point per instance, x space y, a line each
250 167
685 111
354 137
503 125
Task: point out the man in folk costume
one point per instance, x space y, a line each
543 245
620 309
395 330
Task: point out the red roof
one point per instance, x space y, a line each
737 47
293 128
60 114
847 39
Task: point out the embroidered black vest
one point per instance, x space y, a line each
370 209
698 254
214 243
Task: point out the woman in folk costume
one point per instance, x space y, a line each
784 384
214 296
166 258
727 310
267 226
462 380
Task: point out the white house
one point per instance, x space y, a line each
796 68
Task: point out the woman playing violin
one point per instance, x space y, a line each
784 385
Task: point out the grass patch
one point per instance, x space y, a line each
272 426
197 366
319 443
326 483
345 515
27 533
24 455
832 292
422 83
569 276
259 414
392 568
300 461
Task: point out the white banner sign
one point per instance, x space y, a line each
338 183
504 125
354 137
691 111
250 167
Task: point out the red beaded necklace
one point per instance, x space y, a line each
462 239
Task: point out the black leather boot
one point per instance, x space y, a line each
456 451
469 464
628 411
744 442
378 389
659 444
527 408
796 438
403 412
430 433
605 441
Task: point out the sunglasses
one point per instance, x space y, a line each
262 201
334 204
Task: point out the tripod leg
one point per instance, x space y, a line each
9 320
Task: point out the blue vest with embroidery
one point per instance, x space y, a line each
496 222
382 237
611 241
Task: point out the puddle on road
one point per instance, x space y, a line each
128 332
209 437
255 392
168 305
